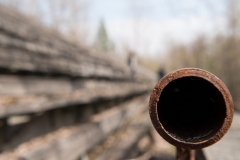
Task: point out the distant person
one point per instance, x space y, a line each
132 62
161 73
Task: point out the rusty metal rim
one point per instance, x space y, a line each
186 72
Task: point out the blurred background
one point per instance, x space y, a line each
95 59
166 34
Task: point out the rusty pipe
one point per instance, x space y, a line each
191 108
185 154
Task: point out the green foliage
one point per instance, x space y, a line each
102 41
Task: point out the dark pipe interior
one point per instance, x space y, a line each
191 109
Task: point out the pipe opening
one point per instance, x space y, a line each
191 109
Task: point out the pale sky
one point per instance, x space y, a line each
149 26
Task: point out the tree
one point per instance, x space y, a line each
102 41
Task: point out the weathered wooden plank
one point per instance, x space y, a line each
28 94
124 142
11 85
66 51
55 119
40 49
22 27
27 46
14 59
228 147
15 25
71 142
43 73
13 56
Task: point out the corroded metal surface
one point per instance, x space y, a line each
185 143
185 154
228 147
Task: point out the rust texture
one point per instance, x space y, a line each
185 154
191 108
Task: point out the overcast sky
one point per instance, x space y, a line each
150 26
